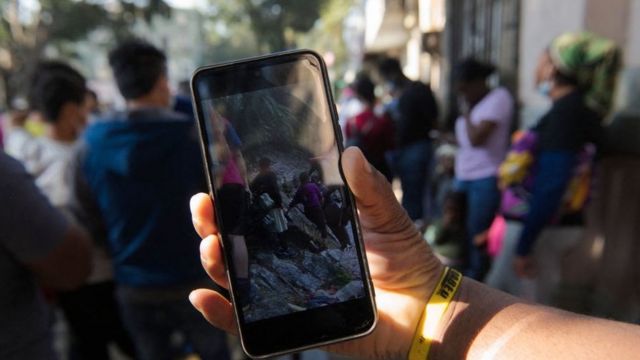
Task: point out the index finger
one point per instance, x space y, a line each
203 215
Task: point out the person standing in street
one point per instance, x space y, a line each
310 196
134 172
578 73
38 247
414 113
371 132
482 133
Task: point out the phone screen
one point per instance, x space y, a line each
286 217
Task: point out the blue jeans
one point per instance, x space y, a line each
483 201
152 324
411 164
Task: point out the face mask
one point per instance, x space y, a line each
463 105
544 88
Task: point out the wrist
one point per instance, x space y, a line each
437 314
473 307
456 306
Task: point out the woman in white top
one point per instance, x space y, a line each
482 132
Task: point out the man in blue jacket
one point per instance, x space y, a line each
134 173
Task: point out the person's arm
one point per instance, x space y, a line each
84 206
483 323
68 264
480 322
478 134
37 234
496 110
553 173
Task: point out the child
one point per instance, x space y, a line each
447 235
442 181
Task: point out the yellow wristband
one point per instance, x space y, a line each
433 312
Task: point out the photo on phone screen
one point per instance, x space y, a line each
287 219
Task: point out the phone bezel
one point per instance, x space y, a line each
286 330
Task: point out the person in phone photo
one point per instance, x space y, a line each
310 196
266 191
231 181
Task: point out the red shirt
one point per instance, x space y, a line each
375 132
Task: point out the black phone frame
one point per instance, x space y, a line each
314 327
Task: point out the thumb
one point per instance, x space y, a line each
379 209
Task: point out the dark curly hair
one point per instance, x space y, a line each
470 69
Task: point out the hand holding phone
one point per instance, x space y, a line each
295 261
296 267
403 269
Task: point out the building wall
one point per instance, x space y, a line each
632 55
541 22
608 18
486 30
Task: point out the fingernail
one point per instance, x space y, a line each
192 299
192 203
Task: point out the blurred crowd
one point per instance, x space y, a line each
104 233
499 203
95 221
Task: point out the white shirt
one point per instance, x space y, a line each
48 161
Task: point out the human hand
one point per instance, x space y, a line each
481 239
524 266
464 108
403 268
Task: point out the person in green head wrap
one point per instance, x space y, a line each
577 72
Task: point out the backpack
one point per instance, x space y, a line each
515 178
265 201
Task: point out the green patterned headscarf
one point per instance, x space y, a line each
593 61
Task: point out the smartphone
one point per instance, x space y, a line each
289 227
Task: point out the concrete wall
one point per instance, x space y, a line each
632 54
541 22
618 20
608 18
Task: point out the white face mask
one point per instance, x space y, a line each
544 88
463 105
